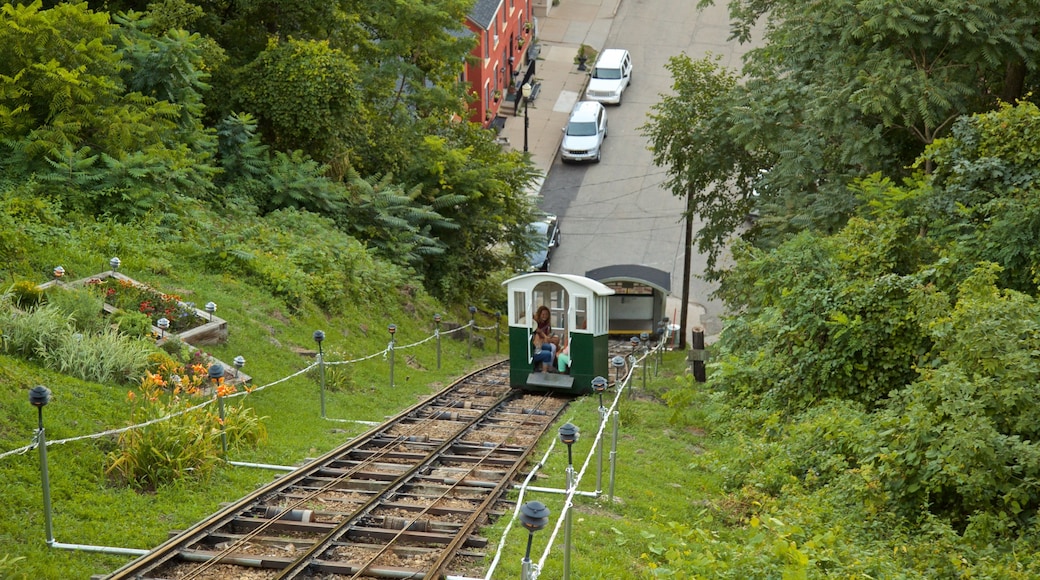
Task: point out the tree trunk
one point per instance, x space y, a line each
685 310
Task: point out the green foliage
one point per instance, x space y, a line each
51 335
9 567
25 295
28 334
983 195
241 154
298 255
69 118
961 440
105 357
304 96
82 308
394 222
186 445
295 181
822 318
130 323
689 137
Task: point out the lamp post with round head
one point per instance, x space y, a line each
39 396
618 362
472 328
534 516
437 333
392 329
114 264
319 337
599 384
216 374
239 362
525 90
164 325
568 436
211 307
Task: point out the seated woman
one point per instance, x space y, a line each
545 355
563 356
542 326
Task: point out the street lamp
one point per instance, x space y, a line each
525 90
568 436
319 336
164 325
216 373
114 263
38 397
392 329
534 516
618 362
211 307
239 362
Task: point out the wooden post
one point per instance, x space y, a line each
697 354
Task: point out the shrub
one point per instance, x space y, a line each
28 334
26 295
103 358
134 297
83 309
183 444
136 324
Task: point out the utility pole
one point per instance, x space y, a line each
686 272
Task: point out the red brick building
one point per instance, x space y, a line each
503 61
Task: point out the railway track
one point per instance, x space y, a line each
404 500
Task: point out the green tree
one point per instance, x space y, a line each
841 89
823 317
305 95
961 440
482 192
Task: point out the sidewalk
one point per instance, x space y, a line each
568 26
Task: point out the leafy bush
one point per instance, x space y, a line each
165 451
30 333
136 324
25 294
182 444
83 309
106 357
134 297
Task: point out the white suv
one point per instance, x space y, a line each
610 77
584 134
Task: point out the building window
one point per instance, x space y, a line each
487 45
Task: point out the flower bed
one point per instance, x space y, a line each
186 322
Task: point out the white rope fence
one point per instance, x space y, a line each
35 440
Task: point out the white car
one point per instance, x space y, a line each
584 134
610 77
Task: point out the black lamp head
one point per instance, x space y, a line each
634 341
39 396
437 318
216 371
534 516
618 361
392 329
211 307
319 336
644 336
472 310
599 384
239 361
568 434
114 263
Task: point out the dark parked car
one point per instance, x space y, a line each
546 234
